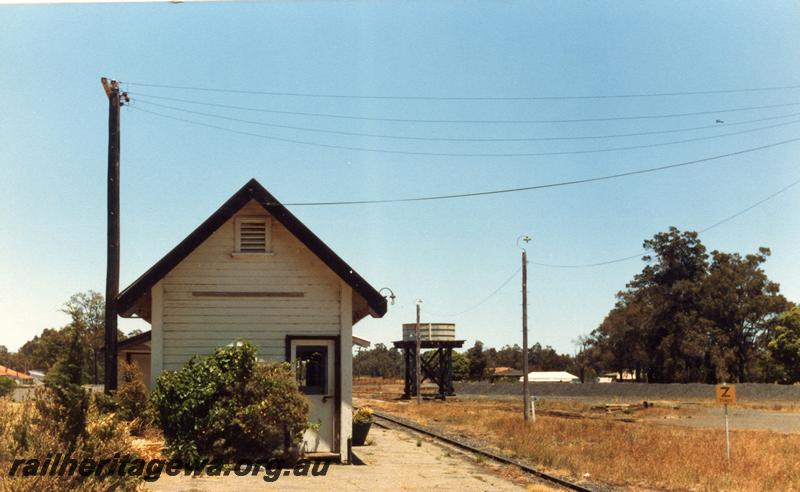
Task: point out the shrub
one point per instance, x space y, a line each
22 429
104 403
62 404
131 399
60 419
132 394
7 386
62 412
12 413
228 406
272 408
25 432
362 416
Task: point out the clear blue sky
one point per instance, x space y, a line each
452 254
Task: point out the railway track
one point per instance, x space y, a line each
453 441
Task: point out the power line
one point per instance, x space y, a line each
462 98
466 121
712 226
542 186
480 303
751 207
587 265
461 154
618 260
464 139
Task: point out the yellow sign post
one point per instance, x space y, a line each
726 395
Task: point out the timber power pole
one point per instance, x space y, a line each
526 395
418 362
115 100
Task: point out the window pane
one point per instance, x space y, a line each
311 367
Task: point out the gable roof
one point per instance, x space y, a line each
252 190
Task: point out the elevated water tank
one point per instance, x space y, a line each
436 332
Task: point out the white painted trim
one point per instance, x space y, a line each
156 332
346 367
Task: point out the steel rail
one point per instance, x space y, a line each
468 447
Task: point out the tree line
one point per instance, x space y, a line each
690 315
476 363
695 316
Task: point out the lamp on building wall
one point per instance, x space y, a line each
391 295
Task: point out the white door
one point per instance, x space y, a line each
313 363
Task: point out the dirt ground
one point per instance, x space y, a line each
675 445
703 414
708 417
395 460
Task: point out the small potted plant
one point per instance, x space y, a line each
362 421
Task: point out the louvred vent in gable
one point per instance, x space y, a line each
253 235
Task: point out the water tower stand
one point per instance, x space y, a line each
436 365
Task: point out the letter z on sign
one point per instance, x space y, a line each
726 394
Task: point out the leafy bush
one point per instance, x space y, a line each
104 403
7 386
62 404
228 406
362 416
62 412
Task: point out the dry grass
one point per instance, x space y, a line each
377 387
772 406
105 438
636 455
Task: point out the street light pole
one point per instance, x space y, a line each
418 376
525 388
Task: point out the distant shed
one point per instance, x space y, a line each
504 374
552 377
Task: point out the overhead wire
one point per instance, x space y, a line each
464 195
618 260
460 154
485 299
751 207
463 139
466 121
461 98
541 186
706 229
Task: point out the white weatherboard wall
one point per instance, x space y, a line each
184 324
197 325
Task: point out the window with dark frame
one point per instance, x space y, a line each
311 368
